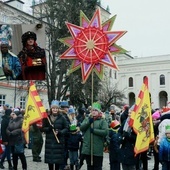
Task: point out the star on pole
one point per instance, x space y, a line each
92 45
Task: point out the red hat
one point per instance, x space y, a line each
114 124
125 106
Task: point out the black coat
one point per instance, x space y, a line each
4 125
54 151
113 146
14 131
126 152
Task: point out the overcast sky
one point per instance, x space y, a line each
147 23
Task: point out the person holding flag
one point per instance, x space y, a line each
127 138
55 128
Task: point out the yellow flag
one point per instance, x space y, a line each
141 120
34 112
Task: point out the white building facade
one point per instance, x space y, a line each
156 68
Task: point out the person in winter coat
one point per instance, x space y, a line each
5 140
164 150
55 129
64 107
37 142
124 114
127 139
114 145
16 139
32 58
73 142
95 129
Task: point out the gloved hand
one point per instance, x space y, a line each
91 130
58 132
91 120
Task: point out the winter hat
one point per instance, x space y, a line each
64 104
55 103
167 129
126 106
96 106
73 128
112 107
114 124
156 115
28 35
16 111
6 105
71 111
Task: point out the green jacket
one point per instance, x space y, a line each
100 128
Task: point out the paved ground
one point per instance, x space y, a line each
42 166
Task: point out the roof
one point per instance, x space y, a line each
14 0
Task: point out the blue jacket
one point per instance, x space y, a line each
164 150
14 66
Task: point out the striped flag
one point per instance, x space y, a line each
34 112
141 120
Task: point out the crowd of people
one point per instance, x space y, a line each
28 64
75 136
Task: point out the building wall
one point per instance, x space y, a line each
152 67
14 93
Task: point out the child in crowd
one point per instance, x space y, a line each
73 146
164 150
114 145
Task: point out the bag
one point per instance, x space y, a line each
19 148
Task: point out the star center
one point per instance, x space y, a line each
90 44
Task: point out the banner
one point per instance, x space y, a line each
141 120
34 112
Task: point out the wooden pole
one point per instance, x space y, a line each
53 130
91 135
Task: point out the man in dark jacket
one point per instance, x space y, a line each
5 139
37 142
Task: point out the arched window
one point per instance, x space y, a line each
162 79
130 82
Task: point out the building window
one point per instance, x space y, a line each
22 102
110 73
130 82
2 99
162 79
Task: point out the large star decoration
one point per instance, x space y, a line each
92 45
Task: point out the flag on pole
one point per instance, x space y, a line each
34 112
141 120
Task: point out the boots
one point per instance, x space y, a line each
10 165
71 167
1 166
77 167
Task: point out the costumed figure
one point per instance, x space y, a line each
10 67
32 58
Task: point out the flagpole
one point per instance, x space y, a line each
91 135
53 130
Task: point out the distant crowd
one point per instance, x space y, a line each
74 136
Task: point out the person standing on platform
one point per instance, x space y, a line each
32 58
